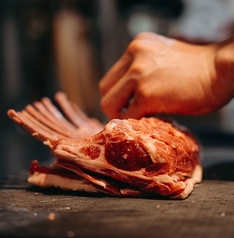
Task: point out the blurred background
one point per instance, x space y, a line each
68 45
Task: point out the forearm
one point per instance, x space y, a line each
224 65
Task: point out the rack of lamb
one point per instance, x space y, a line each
124 158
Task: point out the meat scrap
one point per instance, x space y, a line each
124 158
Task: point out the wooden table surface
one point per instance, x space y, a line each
31 212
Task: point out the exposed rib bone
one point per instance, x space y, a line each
49 123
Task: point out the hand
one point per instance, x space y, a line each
161 75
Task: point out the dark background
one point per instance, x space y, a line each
37 59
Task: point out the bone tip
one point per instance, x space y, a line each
60 94
12 114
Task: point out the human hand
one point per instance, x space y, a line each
161 75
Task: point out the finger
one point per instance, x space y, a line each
134 110
117 98
115 73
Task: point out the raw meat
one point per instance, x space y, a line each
126 158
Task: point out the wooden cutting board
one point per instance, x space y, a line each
31 212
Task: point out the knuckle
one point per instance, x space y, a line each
135 46
136 70
143 35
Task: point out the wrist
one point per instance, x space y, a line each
224 66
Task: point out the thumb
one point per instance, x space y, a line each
134 110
